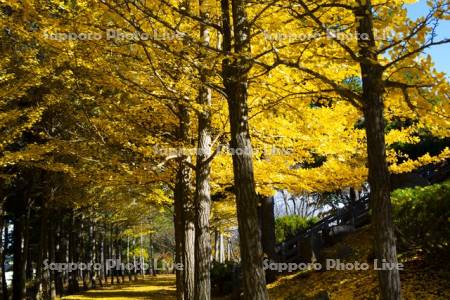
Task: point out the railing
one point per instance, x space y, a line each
350 215
354 215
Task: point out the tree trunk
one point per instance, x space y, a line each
235 75
134 262
59 255
352 205
93 254
286 202
120 254
20 237
229 246
141 243
203 169
268 226
73 245
189 249
373 91
2 259
128 259
2 251
221 249
102 276
216 245
41 280
152 271
184 216
179 230
52 258
111 252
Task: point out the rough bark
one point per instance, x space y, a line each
373 91
189 220
179 229
184 216
235 75
268 226
203 191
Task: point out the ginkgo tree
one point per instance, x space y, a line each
397 69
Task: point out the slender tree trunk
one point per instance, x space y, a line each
59 255
235 75
29 270
229 246
189 258
52 258
134 262
117 250
184 216
73 244
93 254
373 91
83 249
141 244
20 253
128 259
102 276
2 251
41 281
221 248
189 247
20 258
2 259
179 230
111 252
286 202
151 264
216 245
120 255
352 201
203 169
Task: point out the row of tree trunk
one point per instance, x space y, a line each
42 236
193 242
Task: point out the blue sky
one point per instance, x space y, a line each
441 53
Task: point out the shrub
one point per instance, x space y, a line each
288 226
224 277
422 216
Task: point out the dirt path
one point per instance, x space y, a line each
161 287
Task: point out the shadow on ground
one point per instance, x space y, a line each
160 288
